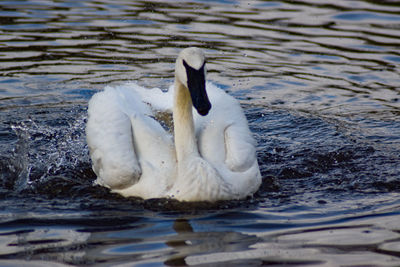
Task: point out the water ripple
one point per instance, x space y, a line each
319 83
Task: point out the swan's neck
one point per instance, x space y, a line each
185 139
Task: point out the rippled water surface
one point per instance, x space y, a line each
320 85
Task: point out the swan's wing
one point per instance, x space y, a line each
224 133
226 142
240 148
121 136
109 137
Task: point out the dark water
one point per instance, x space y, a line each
320 85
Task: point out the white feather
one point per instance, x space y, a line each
133 155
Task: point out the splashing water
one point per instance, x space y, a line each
50 148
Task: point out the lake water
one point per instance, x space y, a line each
320 85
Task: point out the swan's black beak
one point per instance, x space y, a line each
196 82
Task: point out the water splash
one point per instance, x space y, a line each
48 147
20 160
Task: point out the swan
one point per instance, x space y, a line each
210 156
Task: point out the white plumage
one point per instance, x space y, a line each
210 157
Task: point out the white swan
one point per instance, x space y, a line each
211 156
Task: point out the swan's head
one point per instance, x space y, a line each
190 70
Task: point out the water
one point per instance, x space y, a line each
319 83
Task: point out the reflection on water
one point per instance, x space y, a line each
366 240
319 83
